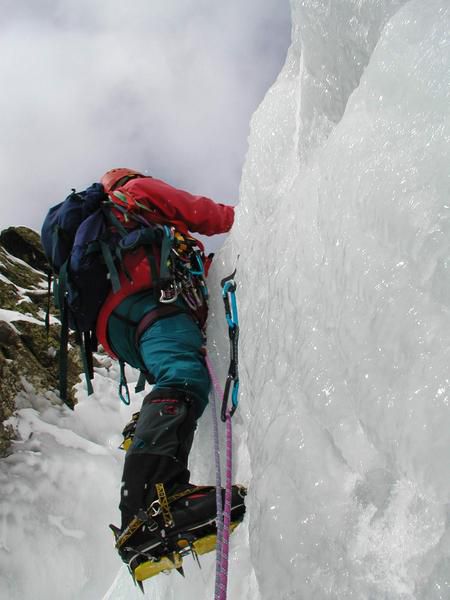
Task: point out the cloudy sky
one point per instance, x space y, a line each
163 86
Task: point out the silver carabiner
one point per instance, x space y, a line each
154 512
169 295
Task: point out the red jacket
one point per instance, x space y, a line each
186 212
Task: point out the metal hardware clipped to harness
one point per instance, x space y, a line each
169 293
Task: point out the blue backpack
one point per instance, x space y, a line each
84 243
72 234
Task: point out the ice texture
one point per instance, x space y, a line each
343 235
343 429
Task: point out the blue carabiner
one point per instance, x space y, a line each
231 314
169 232
235 394
200 268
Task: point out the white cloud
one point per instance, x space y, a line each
166 86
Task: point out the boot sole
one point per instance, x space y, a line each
199 547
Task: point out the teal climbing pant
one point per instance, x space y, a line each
170 349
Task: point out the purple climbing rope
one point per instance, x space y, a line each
219 519
225 549
223 513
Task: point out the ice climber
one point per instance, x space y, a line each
157 325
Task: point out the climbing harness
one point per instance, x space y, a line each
223 520
181 274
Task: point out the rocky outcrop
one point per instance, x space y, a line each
28 352
25 244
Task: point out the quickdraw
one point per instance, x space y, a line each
229 286
223 520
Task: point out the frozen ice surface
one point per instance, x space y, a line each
343 233
343 429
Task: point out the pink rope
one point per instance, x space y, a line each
225 549
223 516
219 517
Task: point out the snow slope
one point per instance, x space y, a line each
343 429
58 491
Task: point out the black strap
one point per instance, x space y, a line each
160 312
89 348
60 288
150 255
140 385
112 270
63 352
125 179
124 319
47 313
83 341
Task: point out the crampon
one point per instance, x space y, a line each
174 532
